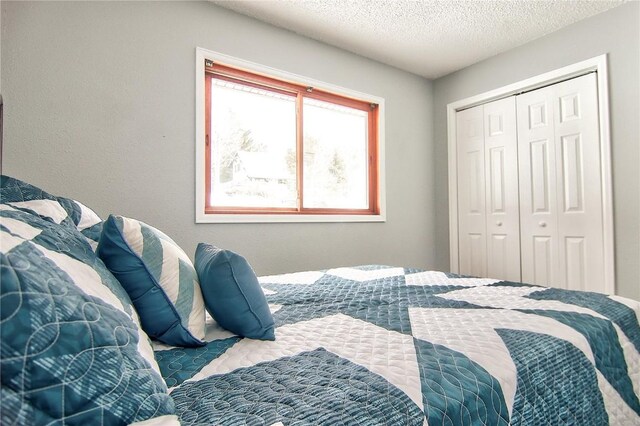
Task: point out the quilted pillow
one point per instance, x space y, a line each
72 348
61 210
159 278
232 293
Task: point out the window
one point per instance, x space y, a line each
279 149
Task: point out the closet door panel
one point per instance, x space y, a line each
542 264
579 183
537 177
502 207
471 192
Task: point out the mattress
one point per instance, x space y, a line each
386 345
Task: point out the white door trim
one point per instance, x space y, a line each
598 64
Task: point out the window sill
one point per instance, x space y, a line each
286 218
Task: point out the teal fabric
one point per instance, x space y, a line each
618 313
557 384
180 364
162 318
310 388
448 375
232 293
13 190
68 357
606 348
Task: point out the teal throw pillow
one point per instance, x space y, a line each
232 294
158 276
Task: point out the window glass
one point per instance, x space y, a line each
253 147
335 156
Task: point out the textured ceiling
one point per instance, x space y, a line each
427 37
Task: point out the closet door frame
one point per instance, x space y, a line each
597 64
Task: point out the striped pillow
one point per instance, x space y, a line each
159 277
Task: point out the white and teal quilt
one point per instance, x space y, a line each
377 345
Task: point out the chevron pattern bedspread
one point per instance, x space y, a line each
380 345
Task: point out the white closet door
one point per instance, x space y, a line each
471 192
560 187
537 175
580 225
502 205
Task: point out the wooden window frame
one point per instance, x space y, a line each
217 70
201 217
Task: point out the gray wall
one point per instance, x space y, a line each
99 104
617 33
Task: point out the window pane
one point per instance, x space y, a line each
253 147
335 156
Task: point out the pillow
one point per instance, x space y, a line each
159 278
61 210
232 293
72 349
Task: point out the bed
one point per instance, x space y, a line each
363 345
400 346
